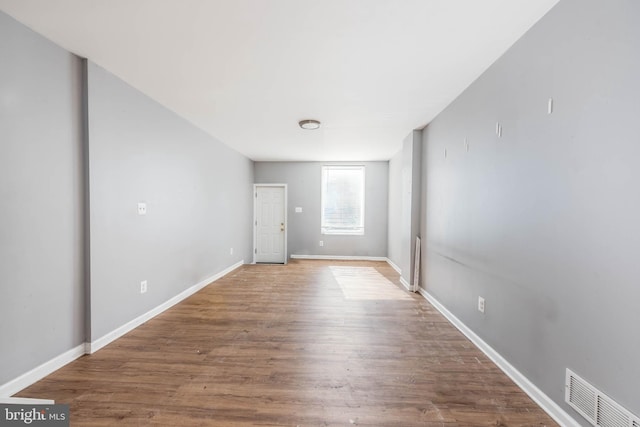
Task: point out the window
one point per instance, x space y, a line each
342 200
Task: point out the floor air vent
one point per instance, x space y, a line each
595 406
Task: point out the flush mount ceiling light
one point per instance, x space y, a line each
309 124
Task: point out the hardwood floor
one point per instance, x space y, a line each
295 345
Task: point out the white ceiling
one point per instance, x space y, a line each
246 71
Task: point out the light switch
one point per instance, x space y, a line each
142 208
298 209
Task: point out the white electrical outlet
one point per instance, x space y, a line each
142 208
298 209
143 287
481 304
321 243
231 251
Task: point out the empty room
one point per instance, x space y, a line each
319 213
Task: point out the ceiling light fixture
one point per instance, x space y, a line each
309 124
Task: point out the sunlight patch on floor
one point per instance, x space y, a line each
366 283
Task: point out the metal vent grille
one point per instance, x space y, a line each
610 415
595 406
581 396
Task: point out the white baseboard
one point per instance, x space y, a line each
25 401
39 372
394 266
406 284
341 257
96 345
537 395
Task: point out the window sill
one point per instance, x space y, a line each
342 233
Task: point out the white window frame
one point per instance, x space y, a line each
327 228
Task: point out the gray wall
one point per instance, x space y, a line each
543 222
41 213
404 204
198 195
304 182
394 226
411 176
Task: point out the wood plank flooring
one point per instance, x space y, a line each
294 345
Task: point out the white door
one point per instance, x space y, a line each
270 224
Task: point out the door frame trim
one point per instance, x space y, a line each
255 219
